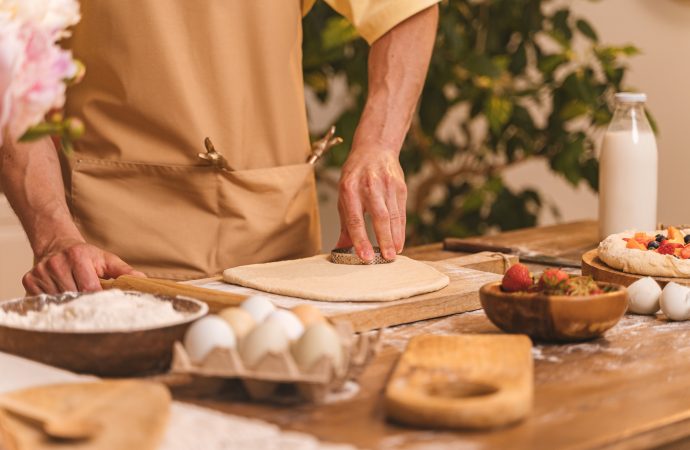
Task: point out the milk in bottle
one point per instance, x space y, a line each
628 170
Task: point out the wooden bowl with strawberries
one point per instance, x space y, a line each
556 307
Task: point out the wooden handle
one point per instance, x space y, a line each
216 300
460 245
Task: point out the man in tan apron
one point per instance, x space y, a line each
161 76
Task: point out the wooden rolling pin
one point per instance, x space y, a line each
216 300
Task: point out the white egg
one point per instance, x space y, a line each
206 334
259 307
643 296
288 321
266 337
239 320
675 301
319 340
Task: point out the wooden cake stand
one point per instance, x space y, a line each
597 269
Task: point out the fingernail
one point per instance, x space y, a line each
367 255
389 255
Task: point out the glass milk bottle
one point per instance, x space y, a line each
628 170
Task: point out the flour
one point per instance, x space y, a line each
111 310
225 432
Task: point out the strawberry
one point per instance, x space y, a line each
517 278
668 248
553 279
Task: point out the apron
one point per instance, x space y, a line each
161 76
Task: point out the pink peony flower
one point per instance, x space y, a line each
53 16
33 68
11 57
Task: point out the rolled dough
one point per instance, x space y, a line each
317 278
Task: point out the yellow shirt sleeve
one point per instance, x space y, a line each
374 18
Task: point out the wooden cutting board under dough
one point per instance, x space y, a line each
466 273
131 414
462 381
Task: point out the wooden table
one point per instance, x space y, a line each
627 390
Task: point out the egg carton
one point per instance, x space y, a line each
274 369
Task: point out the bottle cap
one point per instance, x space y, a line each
631 97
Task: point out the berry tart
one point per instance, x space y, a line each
663 253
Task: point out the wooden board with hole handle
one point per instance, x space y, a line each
597 269
462 382
130 415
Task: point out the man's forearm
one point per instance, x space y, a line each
372 180
398 64
32 181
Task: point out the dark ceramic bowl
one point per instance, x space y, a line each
559 318
111 353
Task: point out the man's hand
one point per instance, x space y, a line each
73 265
372 182
30 176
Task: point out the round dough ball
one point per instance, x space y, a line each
643 296
259 307
288 321
319 340
206 334
239 320
675 301
308 314
265 338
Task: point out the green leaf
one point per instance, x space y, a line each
602 116
519 60
498 111
510 211
652 122
574 108
549 63
561 25
567 161
473 202
317 81
629 50
590 171
586 29
432 108
337 33
482 65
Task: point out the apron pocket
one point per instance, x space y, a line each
269 214
161 219
184 222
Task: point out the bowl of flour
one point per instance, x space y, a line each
107 333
